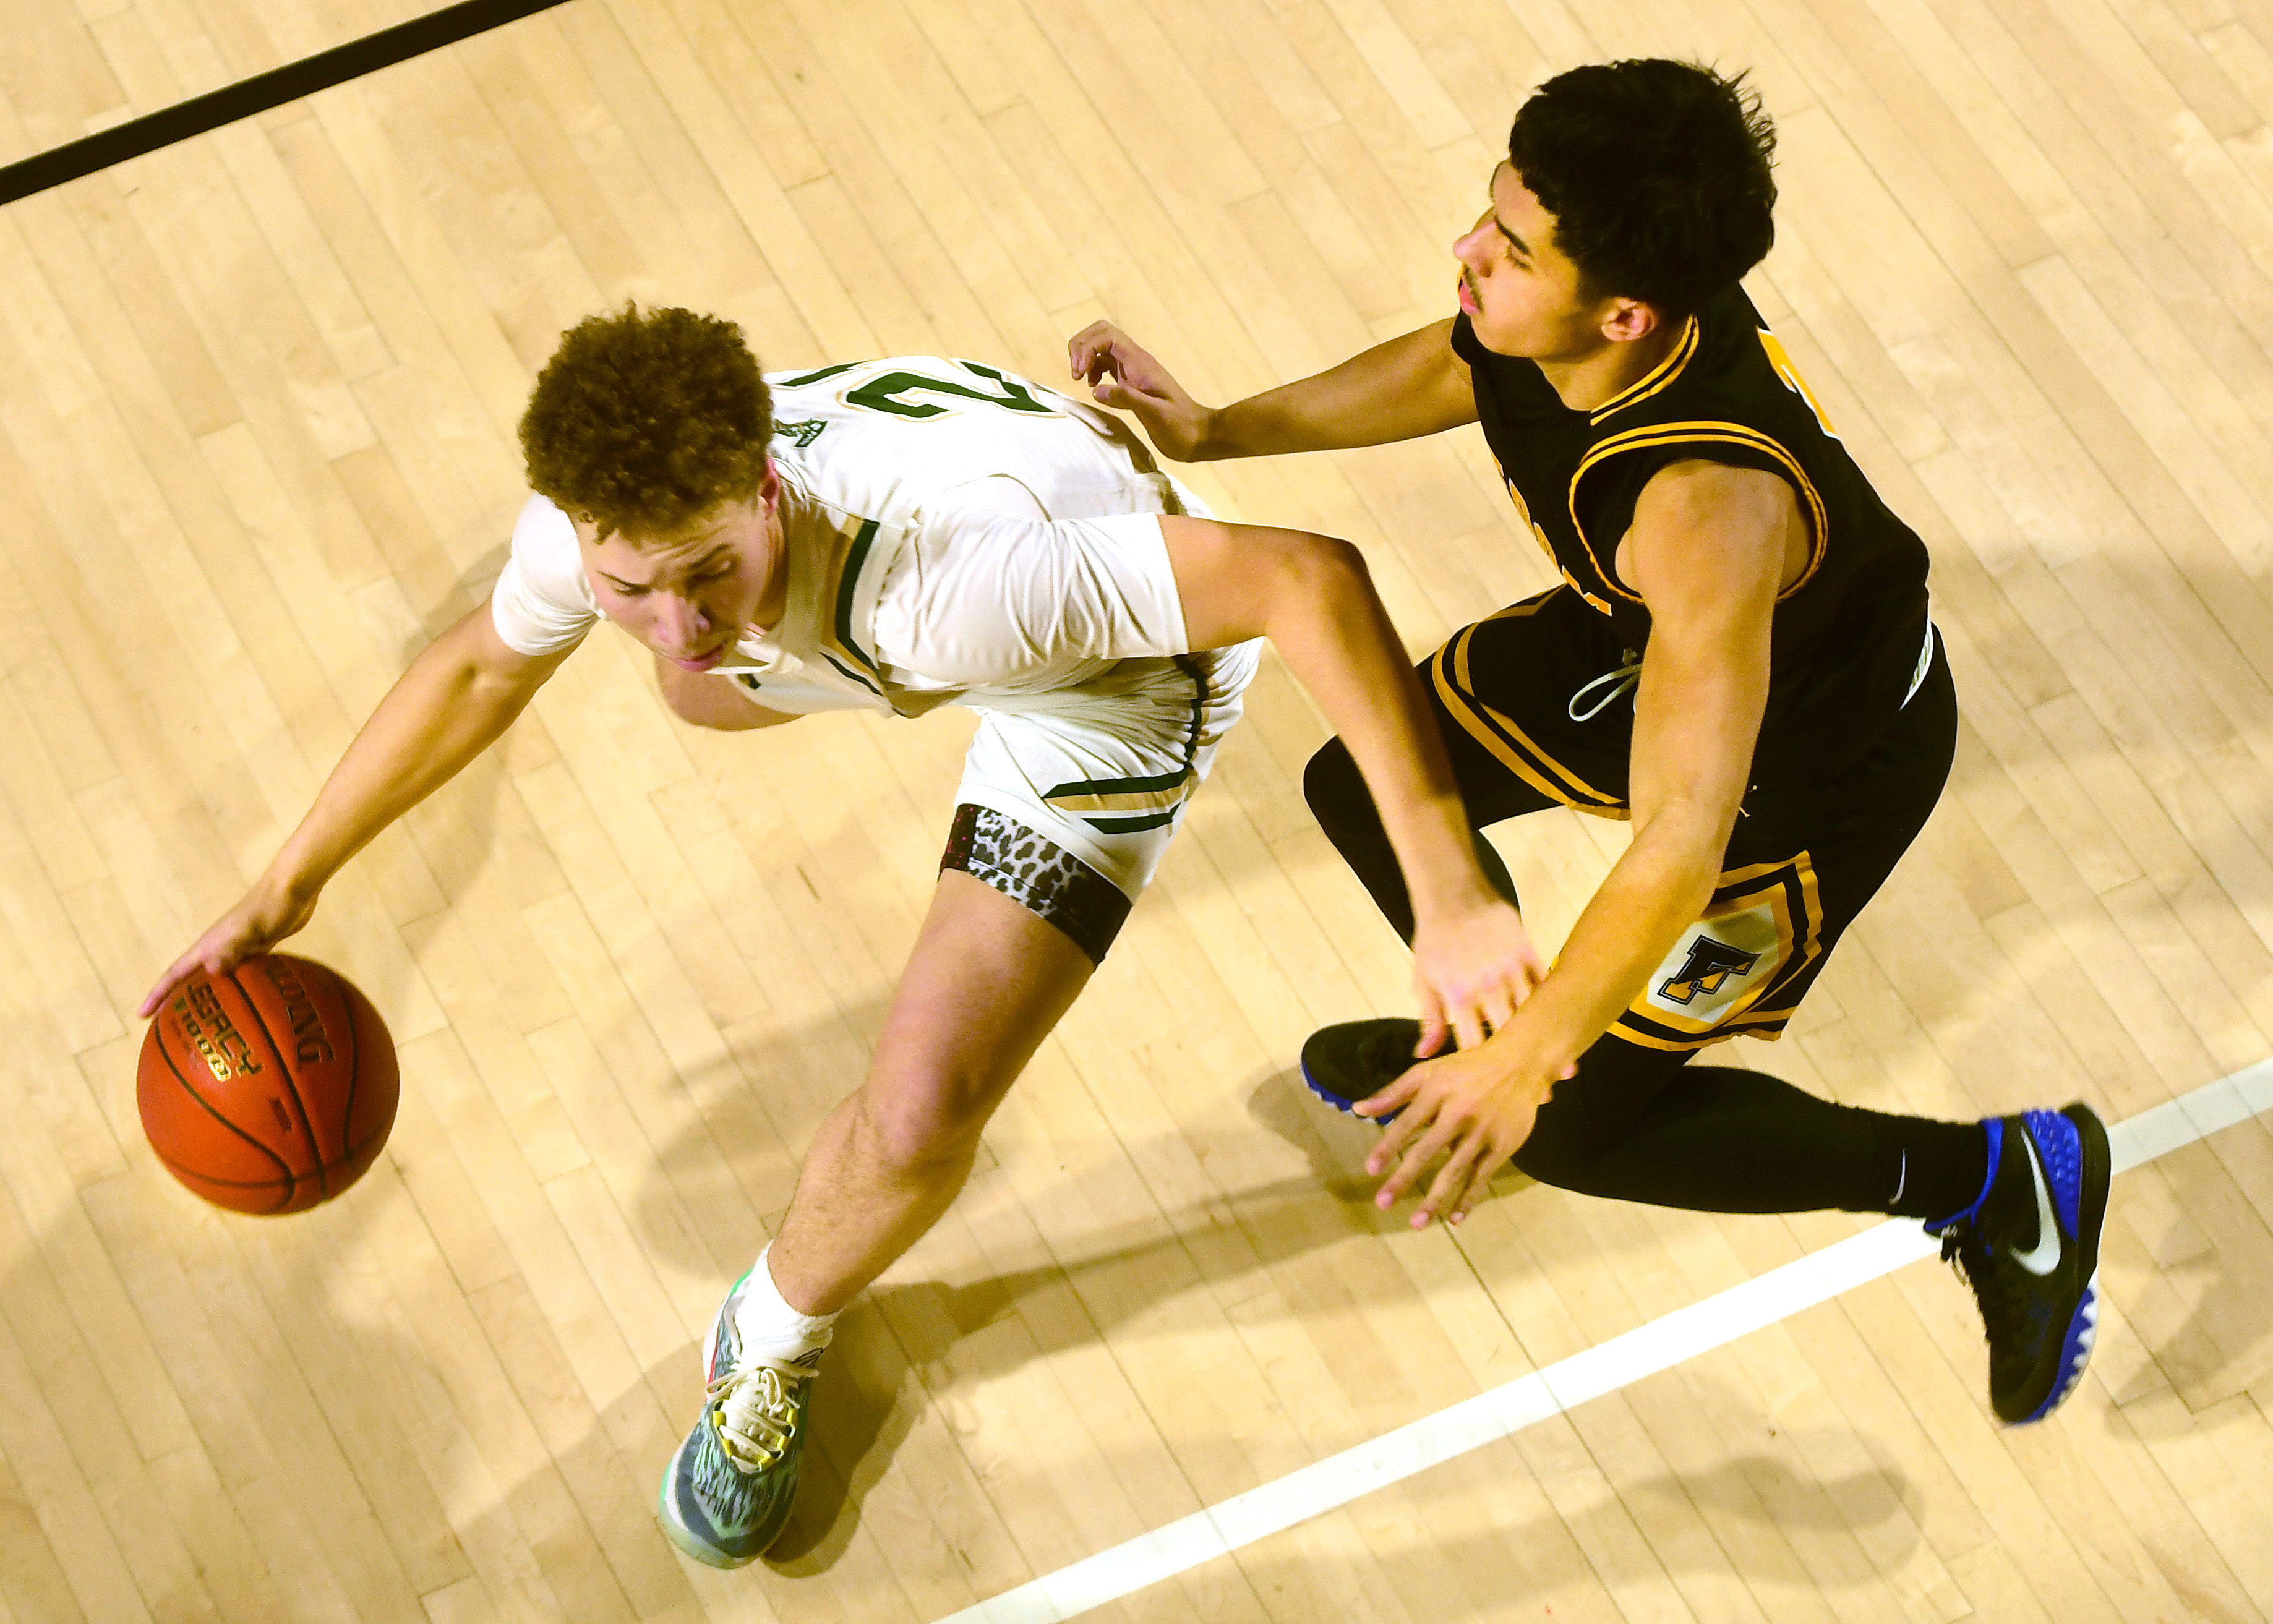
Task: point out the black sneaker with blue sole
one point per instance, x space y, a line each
2028 1246
1357 1059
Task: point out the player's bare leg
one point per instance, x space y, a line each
987 982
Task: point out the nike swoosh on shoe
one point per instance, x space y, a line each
2041 1259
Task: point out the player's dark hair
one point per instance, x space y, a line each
645 420
1658 174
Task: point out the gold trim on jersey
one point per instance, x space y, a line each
1509 745
1659 377
1762 929
1819 519
844 556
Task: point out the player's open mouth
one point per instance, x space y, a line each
701 663
1468 299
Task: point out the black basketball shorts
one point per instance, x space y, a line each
1536 712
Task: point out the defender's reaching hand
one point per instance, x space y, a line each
1473 1109
1128 379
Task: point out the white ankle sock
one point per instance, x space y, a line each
765 1323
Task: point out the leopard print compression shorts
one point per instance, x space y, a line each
1040 875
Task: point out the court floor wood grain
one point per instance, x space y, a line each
257 399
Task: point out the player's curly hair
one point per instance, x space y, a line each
645 420
1659 176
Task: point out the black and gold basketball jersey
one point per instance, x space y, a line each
1849 638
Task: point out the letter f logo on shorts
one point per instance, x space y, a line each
1709 964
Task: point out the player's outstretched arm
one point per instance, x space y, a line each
1708 553
1407 387
1312 598
454 702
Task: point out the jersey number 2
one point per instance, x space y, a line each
882 394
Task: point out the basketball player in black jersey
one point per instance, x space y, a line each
1739 659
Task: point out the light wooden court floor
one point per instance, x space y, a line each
256 395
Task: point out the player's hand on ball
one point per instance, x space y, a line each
1471 972
1471 1109
267 915
1128 379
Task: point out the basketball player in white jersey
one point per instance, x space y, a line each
898 535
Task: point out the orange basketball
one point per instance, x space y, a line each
268 1089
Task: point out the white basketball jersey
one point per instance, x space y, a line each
886 438
954 529
949 529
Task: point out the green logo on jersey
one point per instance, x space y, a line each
801 381
804 433
879 394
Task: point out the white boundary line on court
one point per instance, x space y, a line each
1658 1345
